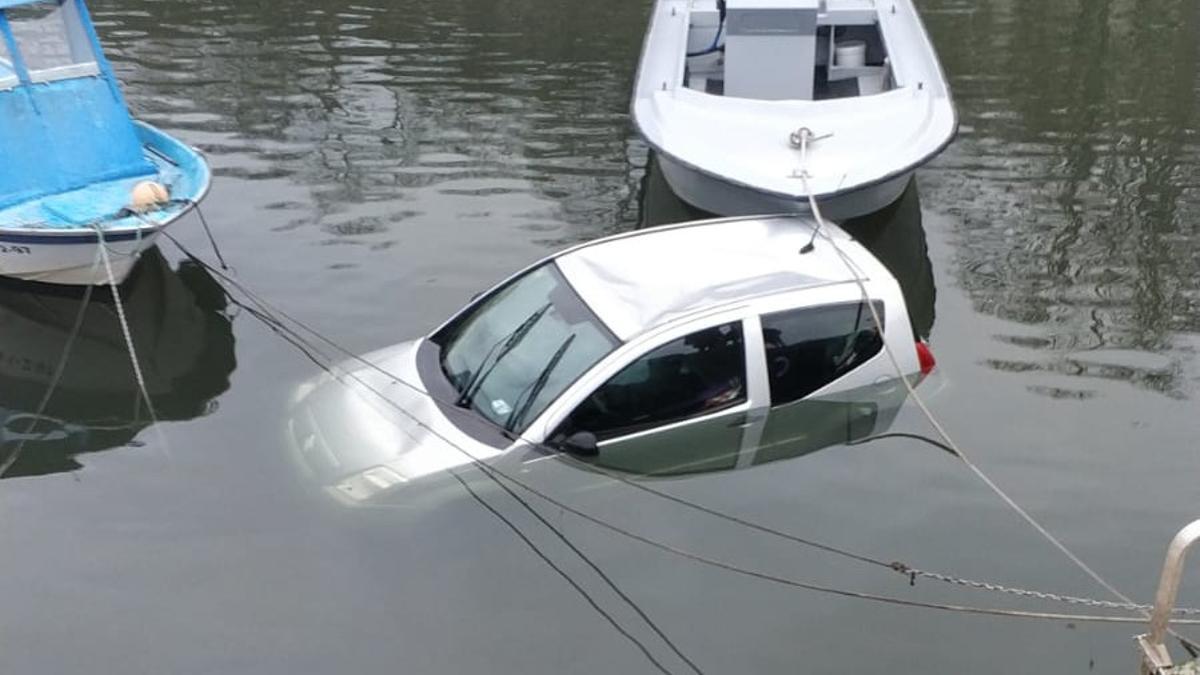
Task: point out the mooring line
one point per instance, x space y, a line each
903 568
595 605
267 313
497 475
208 231
128 336
806 136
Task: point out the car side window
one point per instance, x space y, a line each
808 348
695 375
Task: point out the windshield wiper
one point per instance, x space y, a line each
531 392
509 343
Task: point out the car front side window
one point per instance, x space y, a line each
692 376
808 348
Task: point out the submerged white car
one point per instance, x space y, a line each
645 349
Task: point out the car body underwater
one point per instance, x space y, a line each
699 347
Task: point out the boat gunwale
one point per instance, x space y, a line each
88 235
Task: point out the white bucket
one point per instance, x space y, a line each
850 54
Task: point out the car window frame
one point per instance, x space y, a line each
897 330
757 394
881 308
451 330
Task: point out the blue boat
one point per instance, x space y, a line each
76 170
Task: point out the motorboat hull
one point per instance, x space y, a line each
716 195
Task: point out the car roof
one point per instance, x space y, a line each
644 279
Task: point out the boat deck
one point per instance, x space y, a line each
104 204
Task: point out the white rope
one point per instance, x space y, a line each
803 174
341 374
133 357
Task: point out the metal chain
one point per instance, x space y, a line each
913 574
271 317
805 136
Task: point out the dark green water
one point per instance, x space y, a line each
377 164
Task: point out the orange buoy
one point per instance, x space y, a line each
148 195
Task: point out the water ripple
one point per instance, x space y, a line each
1074 177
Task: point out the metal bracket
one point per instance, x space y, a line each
800 137
1156 660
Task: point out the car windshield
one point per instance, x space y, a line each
514 353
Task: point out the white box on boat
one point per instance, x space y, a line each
770 48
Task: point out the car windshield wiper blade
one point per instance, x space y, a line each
506 345
531 392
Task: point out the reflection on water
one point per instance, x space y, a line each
373 128
1075 179
785 432
377 163
896 236
381 108
185 345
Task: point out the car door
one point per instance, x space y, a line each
680 404
806 350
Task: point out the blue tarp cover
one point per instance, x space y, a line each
66 133
62 136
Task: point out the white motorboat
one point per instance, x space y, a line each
748 101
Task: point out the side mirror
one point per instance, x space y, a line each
581 443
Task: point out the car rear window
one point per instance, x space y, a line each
808 348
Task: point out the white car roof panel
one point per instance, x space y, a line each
645 279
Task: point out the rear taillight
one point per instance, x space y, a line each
925 358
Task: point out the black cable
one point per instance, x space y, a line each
282 331
574 584
493 473
211 239
736 519
602 470
288 335
902 434
596 568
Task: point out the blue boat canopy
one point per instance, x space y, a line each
63 121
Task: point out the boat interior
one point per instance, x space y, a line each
70 144
787 50
103 203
